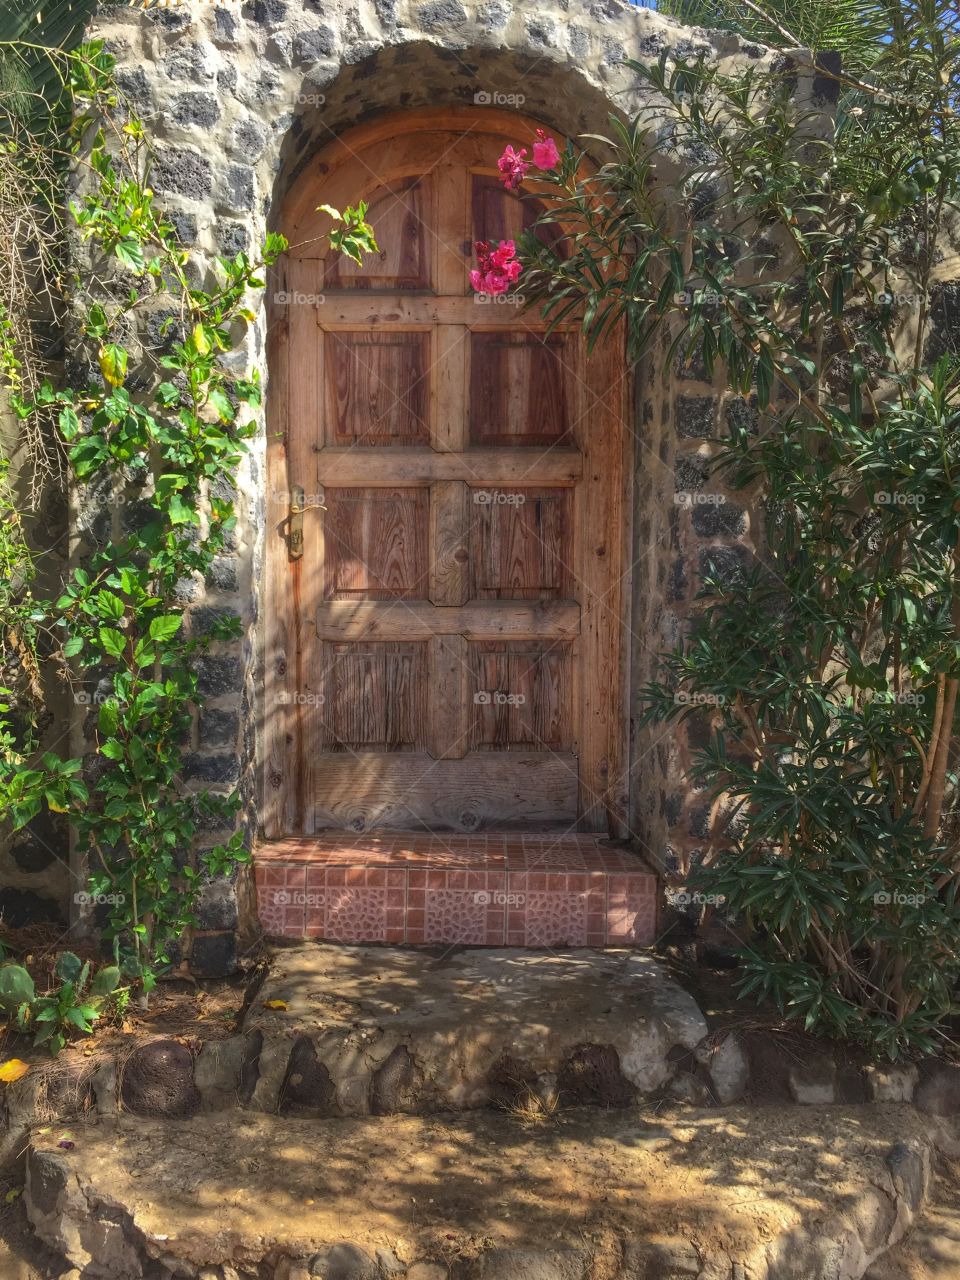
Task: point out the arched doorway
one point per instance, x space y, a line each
444 642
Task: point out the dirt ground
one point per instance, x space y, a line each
234 1187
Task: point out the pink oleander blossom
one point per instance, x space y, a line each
545 153
513 167
497 269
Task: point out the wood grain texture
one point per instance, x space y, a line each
377 387
362 791
449 553
419 620
400 404
520 695
376 545
400 215
519 388
449 718
600 518
522 544
449 375
375 699
481 467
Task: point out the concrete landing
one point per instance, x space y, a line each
691 1195
358 1030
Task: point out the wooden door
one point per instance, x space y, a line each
446 652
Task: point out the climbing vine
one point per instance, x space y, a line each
153 436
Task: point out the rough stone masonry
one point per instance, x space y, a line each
237 98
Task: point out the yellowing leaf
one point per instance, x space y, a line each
12 1195
274 1004
200 340
113 364
12 1070
335 214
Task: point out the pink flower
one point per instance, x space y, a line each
513 166
497 270
545 153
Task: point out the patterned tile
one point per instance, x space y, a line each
489 889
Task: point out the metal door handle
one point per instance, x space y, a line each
298 505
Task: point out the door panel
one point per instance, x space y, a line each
445 652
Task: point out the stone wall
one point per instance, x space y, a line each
237 99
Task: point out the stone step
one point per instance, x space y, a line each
421 889
358 1030
689 1195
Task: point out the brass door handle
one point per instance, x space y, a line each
298 505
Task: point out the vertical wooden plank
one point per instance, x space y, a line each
450 708
453 250
449 555
600 425
305 435
448 433
276 786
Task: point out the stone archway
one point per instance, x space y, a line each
239 99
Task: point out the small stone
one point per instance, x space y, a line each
182 172
390 1264
892 1082
315 44
344 1262
813 1083
240 186
214 954
939 1093
157 1080
695 417
910 1173
196 108
441 13
686 1087
727 1067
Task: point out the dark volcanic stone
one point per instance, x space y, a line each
592 1076
214 954
183 172
307 1088
158 1081
695 417
394 1084
19 907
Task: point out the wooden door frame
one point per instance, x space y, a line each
285 807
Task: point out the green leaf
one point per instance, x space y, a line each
165 627
114 642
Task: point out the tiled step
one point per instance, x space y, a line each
515 890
